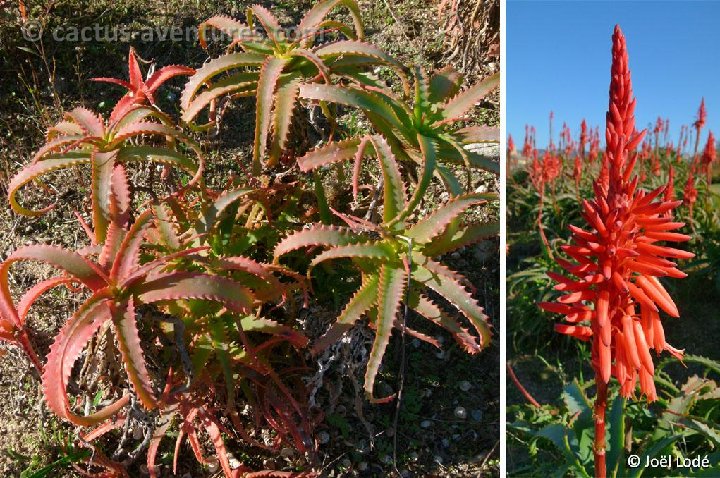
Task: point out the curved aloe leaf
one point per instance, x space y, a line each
128 341
65 350
363 300
433 225
391 286
269 76
460 104
316 236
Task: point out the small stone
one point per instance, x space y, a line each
346 463
213 465
477 415
323 437
425 424
405 474
234 462
287 452
445 443
461 413
387 459
438 459
362 466
138 433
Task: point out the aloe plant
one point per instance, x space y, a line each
274 67
83 138
420 134
398 267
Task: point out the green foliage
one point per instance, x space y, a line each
184 279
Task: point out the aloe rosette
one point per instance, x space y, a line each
615 298
84 138
399 266
119 283
423 134
272 68
141 92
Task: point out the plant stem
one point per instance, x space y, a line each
599 416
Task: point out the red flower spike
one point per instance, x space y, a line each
619 257
708 157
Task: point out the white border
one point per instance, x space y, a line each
503 238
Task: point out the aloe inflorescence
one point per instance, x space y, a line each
615 298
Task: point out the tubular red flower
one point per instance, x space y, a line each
620 257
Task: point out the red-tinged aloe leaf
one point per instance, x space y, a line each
182 285
113 238
433 225
209 219
128 340
137 113
445 84
78 267
134 73
461 103
393 185
166 227
352 50
157 437
242 83
29 298
428 149
102 166
35 170
315 16
432 312
330 153
355 251
213 431
91 123
316 236
113 81
237 30
122 108
121 191
268 21
128 253
465 237
103 429
275 474
361 302
391 285
166 73
145 128
65 350
269 76
350 96
156 154
478 134
282 117
215 67
455 293
60 143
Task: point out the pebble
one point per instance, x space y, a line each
445 443
387 459
425 424
323 437
213 465
287 452
346 463
461 413
477 415
362 466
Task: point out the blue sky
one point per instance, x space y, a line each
558 59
